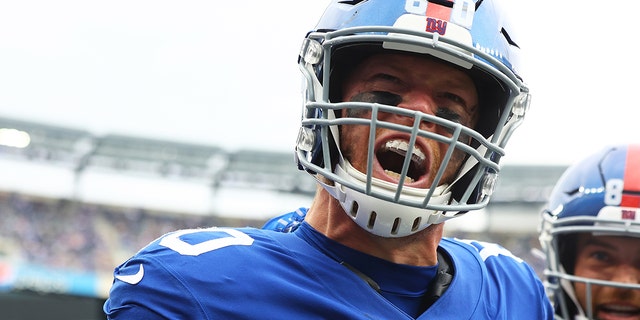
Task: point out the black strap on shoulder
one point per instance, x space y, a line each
437 287
441 282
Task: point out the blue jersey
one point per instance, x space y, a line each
247 273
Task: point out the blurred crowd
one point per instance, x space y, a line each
94 238
65 234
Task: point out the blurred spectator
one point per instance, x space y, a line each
95 238
85 237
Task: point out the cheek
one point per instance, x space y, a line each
580 289
354 140
456 160
582 269
453 166
350 89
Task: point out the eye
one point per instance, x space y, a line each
454 98
600 256
381 97
448 114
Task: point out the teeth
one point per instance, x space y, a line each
620 308
397 176
403 146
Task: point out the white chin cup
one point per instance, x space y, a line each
378 213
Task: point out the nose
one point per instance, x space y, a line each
416 101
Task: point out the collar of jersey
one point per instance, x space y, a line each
394 278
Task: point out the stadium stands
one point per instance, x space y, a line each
75 205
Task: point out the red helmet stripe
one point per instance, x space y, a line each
631 196
439 12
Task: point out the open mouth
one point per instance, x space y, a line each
392 155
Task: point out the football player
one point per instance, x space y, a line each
408 106
590 233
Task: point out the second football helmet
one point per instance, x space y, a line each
599 195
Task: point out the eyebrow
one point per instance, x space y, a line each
384 76
596 242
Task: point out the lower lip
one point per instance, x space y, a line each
616 316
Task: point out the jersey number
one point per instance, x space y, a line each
233 237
